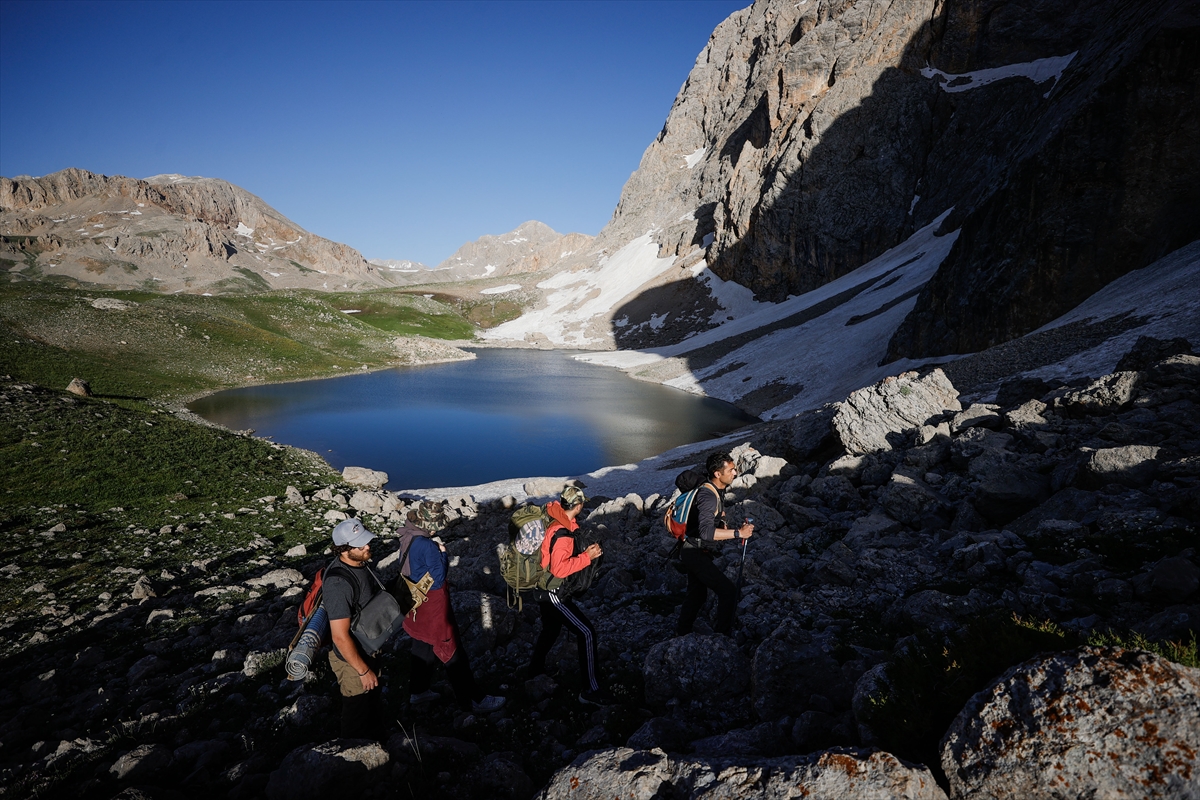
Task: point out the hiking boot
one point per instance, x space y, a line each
600 697
488 704
427 696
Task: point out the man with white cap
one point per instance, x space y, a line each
348 587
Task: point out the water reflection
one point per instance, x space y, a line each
509 413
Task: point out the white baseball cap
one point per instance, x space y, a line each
351 532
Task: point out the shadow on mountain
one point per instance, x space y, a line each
1058 187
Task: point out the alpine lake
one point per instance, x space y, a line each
509 413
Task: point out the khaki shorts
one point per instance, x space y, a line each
348 680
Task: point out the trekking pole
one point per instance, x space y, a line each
742 566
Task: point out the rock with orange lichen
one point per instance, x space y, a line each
832 775
1093 722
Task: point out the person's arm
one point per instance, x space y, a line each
339 629
563 563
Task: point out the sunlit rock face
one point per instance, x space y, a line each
165 233
811 137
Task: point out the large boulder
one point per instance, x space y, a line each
1094 722
789 668
696 671
876 418
366 478
1132 465
646 774
339 766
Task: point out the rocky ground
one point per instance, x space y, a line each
910 553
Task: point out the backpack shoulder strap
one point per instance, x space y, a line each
716 494
342 571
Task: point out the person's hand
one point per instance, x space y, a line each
747 530
441 547
370 680
593 551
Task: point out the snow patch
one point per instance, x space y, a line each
243 230
1039 71
488 269
508 287
351 310
583 295
694 158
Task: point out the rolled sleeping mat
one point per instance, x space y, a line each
300 659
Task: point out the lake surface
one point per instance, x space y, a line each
506 414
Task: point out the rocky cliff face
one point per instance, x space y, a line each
165 233
811 137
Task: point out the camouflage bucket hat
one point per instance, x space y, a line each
431 516
571 496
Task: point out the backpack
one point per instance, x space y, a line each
676 517
521 559
527 529
312 600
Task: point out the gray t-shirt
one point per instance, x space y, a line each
338 593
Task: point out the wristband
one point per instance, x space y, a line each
363 674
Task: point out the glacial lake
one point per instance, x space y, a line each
507 414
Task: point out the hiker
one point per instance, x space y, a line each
346 581
431 624
561 556
706 526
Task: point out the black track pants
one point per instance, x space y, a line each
557 611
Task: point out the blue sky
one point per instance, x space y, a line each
403 129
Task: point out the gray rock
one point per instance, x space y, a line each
791 666
144 668
1107 395
202 754
876 417
1094 722
1005 492
1131 465
142 589
142 762
808 433
1026 415
830 775
695 669
278 578
340 766
982 415
664 733
305 710
909 499
366 478
366 502
80 387
1173 579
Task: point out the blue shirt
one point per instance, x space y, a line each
425 556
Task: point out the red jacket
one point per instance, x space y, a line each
561 561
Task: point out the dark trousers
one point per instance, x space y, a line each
556 612
458 668
702 575
458 672
362 715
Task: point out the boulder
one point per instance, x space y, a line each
696 670
80 387
646 774
808 433
1005 492
789 668
908 499
142 762
977 415
1172 579
278 578
876 418
293 497
1132 465
1094 722
1107 395
315 771
367 502
366 478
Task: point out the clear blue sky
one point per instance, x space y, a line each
403 129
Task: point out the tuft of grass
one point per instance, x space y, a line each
1181 652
